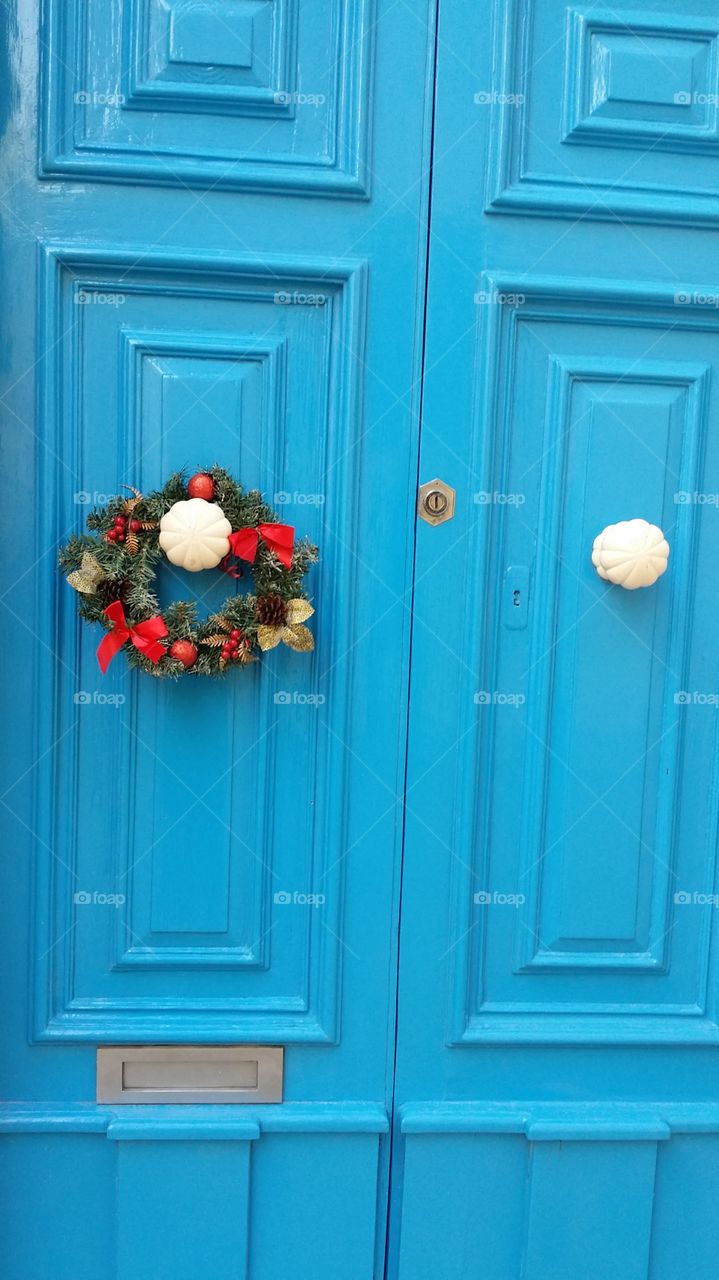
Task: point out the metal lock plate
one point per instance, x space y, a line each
436 501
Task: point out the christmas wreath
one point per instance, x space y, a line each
208 522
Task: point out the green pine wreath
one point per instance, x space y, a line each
113 569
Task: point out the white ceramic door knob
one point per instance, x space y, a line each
632 553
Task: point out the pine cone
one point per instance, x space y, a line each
271 611
111 589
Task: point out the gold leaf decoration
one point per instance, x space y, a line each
269 637
291 632
87 578
298 610
299 638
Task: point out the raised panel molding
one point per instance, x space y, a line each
149 363
597 966
644 942
236 55
635 81
121 396
241 94
630 80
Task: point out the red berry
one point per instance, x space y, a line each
201 486
120 535
135 525
120 522
184 651
235 634
111 535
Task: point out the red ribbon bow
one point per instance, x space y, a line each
144 635
278 537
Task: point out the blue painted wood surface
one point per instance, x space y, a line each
501 1022
215 251
558 1017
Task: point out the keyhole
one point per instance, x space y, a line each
436 502
515 598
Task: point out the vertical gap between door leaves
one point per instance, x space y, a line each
432 72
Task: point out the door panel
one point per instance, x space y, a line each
556 1061
606 112
580 702
223 260
136 385
240 94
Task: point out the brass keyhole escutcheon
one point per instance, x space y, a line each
436 502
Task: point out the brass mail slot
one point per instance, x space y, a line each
189 1073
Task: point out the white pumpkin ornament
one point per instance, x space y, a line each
194 534
632 553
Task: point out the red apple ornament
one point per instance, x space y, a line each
201 486
185 652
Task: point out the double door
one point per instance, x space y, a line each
459 865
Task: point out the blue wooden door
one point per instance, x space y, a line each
216 249
214 245
558 1039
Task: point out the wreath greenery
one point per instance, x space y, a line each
113 568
